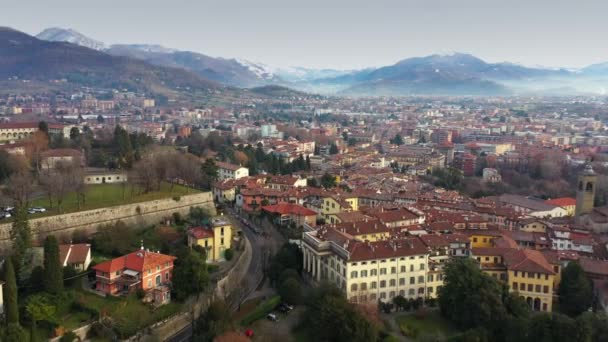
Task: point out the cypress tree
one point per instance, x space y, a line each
21 236
10 293
53 272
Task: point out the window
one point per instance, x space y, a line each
421 267
430 277
430 290
402 281
373 272
392 282
353 274
382 295
403 269
166 275
391 294
530 275
382 271
382 284
363 274
530 287
393 270
474 239
373 285
420 279
537 288
421 290
353 287
363 286
546 289
411 292
372 296
514 287
412 280
411 268
522 287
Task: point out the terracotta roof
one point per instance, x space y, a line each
200 232
594 266
289 209
360 251
527 260
227 166
13 125
137 261
562 202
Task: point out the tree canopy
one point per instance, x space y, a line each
575 291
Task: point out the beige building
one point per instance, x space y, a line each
14 131
105 177
367 271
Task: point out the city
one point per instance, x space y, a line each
150 193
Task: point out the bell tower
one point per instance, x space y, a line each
585 191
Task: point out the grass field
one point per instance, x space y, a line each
432 324
107 195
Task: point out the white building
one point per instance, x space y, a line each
230 171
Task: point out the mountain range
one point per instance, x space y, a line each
453 74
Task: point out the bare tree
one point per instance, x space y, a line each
20 187
66 177
144 175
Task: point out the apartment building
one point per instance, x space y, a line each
367 271
230 171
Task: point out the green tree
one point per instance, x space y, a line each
190 275
214 322
575 291
397 140
21 236
10 293
469 297
209 173
328 181
43 127
53 270
15 333
333 149
100 119
123 150
74 133
39 307
290 290
332 318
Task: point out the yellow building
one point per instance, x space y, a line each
533 225
337 204
483 239
525 271
215 239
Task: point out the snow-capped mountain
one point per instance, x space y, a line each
57 34
262 71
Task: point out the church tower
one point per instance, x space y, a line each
585 192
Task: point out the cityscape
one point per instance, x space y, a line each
157 186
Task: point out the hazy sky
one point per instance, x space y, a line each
337 33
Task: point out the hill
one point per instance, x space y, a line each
27 57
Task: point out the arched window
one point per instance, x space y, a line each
589 186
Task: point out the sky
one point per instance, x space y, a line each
337 33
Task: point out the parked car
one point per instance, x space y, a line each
272 317
39 209
7 215
284 308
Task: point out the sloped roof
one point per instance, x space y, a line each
139 261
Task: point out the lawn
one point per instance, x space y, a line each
128 315
431 324
261 310
107 195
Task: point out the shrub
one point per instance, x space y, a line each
69 337
140 293
228 254
177 218
409 331
177 198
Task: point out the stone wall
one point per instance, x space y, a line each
149 212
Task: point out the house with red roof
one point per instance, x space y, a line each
77 256
142 269
568 203
285 213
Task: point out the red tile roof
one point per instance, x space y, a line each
137 261
289 209
562 202
200 233
77 253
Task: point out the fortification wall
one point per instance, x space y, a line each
135 214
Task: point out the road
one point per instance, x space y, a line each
264 242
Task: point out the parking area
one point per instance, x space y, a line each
281 330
